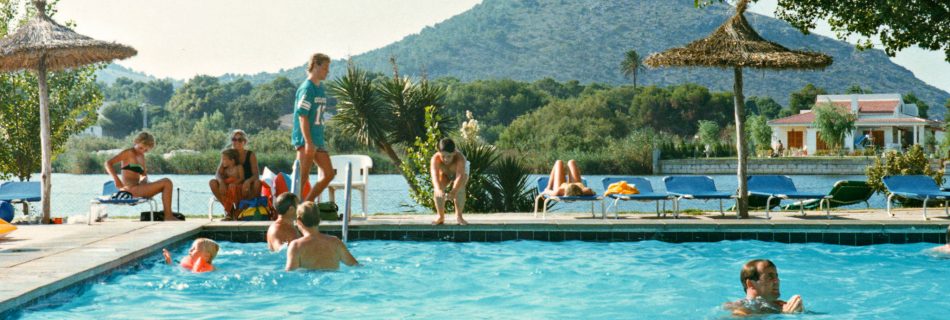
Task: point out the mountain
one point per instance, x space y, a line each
586 40
114 71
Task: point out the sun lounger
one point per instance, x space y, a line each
695 187
108 189
844 193
919 187
646 194
20 192
543 184
782 188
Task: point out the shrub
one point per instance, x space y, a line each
893 163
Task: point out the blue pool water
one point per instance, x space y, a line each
520 280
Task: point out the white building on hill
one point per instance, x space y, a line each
883 120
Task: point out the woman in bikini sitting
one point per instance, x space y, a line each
562 184
134 178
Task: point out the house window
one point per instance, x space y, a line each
796 139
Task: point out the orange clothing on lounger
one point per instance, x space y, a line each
621 187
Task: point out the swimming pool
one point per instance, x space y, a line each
519 279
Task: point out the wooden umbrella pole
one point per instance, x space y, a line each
46 151
742 204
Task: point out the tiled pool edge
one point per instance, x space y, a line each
11 306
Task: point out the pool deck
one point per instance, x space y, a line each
39 260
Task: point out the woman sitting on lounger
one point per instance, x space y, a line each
562 184
135 175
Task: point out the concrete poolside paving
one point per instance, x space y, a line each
39 260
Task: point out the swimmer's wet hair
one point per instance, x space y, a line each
750 271
285 201
208 245
308 214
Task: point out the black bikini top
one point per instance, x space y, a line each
134 167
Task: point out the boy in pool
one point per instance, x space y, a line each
282 230
199 258
315 250
761 284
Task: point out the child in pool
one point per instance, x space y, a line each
199 258
230 181
282 230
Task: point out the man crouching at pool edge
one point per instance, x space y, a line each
314 250
761 284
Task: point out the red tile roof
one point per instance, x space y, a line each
880 106
893 120
801 118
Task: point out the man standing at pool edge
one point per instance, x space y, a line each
760 281
307 136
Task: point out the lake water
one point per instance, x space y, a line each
387 193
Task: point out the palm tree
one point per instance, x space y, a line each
361 112
631 65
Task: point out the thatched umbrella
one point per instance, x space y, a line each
736 45
42 45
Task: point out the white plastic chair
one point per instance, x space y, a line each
361 167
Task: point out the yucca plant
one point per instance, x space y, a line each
480 189
511 182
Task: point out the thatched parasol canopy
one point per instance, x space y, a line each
43 45
736 44
62 48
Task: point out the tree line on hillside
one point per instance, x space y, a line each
599 124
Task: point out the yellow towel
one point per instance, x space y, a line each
5 228
621 188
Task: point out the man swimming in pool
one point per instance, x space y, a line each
282 230
760 281
315 250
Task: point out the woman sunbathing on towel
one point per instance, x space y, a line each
562 184
135 176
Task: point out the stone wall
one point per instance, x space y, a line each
793 166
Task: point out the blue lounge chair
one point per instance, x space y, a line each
695 187
782 188
646 194
108 189
918 187
20 192
543 184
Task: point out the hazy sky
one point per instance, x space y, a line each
182 38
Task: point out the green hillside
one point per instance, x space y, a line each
585 40
114 71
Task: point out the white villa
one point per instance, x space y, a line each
884 120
